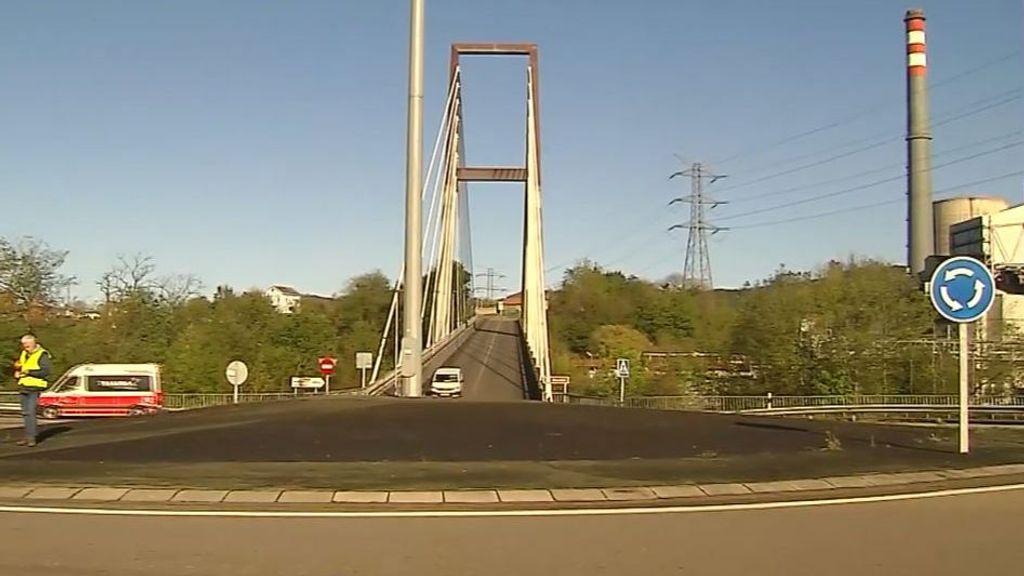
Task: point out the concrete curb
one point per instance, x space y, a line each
617 495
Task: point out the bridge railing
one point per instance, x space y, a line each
769 403
451 343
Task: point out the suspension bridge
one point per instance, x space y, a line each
501 358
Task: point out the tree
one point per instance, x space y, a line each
177 289
129 277
30 273
135 277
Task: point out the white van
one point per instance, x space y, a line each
447 381
104 390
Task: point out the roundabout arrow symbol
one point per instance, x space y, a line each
953 304
955 272
979 293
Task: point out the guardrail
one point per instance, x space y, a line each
732 404
9 402
389 381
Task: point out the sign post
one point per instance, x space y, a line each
364 362
326 365
622 371
962 290
236 373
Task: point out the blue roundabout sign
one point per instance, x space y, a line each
962 289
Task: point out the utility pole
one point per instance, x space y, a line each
697 261
412 338
491 288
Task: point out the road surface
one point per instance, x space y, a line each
949 536
491 362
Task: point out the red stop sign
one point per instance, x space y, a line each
327 365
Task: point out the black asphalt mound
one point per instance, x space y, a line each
354 430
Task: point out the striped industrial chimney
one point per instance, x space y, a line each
920 232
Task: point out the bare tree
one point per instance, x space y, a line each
179 288
30 272
132 276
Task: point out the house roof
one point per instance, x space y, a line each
286 290
517 298
513 299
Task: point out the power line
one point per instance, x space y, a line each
874 171
868 185
873 205
976 107
490 288
867 110
875 141
614 240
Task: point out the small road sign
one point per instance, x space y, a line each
962 289
237 373
307 382
622 367
364 362
327 365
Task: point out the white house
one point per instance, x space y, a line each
284 298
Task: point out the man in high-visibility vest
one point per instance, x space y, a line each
32 370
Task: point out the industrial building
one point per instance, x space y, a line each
990 229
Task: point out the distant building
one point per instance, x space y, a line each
511 302
285 299
288 300
515 301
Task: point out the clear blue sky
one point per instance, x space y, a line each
258 142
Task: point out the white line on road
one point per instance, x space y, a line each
513 513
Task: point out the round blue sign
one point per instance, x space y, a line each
962 289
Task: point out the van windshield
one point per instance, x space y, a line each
446 378
68 384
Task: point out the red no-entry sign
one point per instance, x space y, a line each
327 365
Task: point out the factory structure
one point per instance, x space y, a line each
985 227
989 229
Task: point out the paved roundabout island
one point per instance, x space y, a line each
569 453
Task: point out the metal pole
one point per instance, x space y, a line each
964 390
622 390
327 384
412 352
236 393
920 224
363 370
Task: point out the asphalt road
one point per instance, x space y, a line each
949 536
444 430
491 362
9 421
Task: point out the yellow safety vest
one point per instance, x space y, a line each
31 362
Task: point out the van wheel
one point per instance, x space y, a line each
136 411
51 412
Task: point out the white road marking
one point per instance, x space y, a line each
513 513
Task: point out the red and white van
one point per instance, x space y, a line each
104 390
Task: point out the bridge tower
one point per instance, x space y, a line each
534 314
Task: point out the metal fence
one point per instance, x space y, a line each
176 402
771 402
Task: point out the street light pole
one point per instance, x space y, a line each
412 345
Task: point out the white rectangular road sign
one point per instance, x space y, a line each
364 360
622 367
307 382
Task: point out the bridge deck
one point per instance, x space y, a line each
492 362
